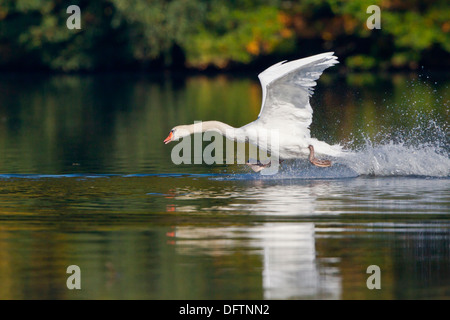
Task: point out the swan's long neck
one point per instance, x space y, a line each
217 126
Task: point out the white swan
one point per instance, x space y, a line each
285 108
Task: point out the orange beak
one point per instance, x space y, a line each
169 138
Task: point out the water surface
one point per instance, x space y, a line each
86 180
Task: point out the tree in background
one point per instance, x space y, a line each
148 34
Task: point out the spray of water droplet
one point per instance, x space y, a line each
420 146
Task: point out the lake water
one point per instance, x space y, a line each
85 180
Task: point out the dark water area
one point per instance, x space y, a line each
86 180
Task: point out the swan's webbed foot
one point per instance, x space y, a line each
315 161
258 166
321 163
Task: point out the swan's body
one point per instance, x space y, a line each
285 110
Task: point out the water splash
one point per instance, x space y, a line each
414 140
416 143
298 169
419 151
398 159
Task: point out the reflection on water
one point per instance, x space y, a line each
85 179
289 267
199 237
297 197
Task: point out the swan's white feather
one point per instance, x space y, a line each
285 111
287 87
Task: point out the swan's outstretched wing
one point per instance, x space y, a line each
286 88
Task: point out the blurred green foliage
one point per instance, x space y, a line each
144 34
